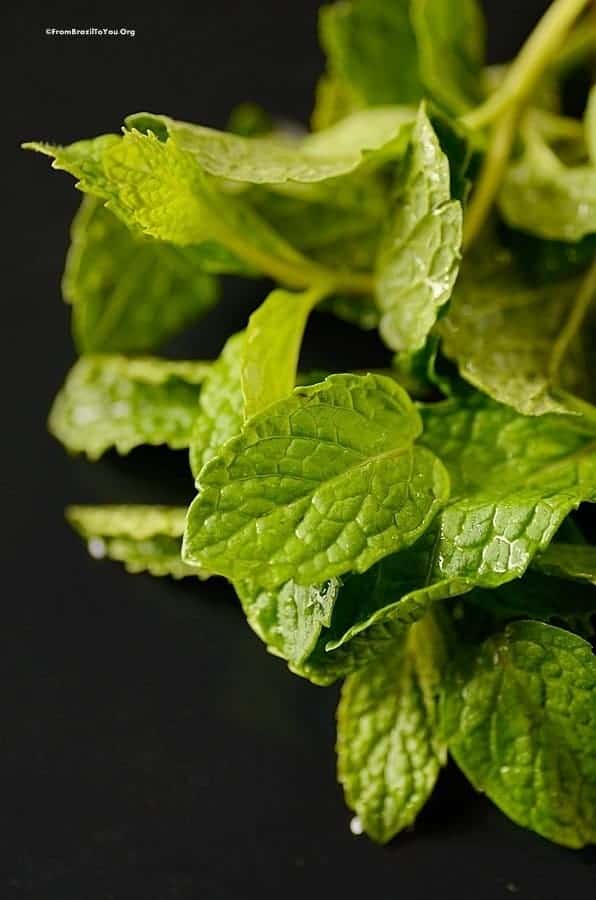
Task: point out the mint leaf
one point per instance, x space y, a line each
112 401
220 411
272 346
520 719
550 199
371 49
419 256
129 293
389 752
291 619
502 332
574 561
317 485
450 41
273 160
144 538
83 159
514 480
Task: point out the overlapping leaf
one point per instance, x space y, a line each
520 719
325 482
144 538
129 293
113 401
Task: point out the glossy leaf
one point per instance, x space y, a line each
319 484
419 256
520 719
389 752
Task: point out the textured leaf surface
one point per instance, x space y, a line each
371 49
501 331
129 293
291 619
160 190
220 410
419 256
450 41
317 485
144 538
520 718
514 480
389 753
112 401
335 151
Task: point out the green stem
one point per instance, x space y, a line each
299 273
533 58
585 296
491 176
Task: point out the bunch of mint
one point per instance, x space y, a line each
410 530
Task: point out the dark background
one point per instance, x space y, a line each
150 748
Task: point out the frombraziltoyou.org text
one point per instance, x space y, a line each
91 32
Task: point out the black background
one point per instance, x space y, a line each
150 748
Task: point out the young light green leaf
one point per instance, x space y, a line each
419 256
271 348
144 538
83 159
333 152
371 50
129 293
520 718
450 37
573 561
317 485
389 752
220 411
504 335
112 401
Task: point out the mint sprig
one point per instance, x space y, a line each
409 529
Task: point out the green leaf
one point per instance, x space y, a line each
144 538
83 159
520 718
272 346
550 199
129 293
574 561
220 412
112 401
450 36
334 100
160 190
371 49
514 480
389 752
503 334
319 484
419 256
290 620
333 152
